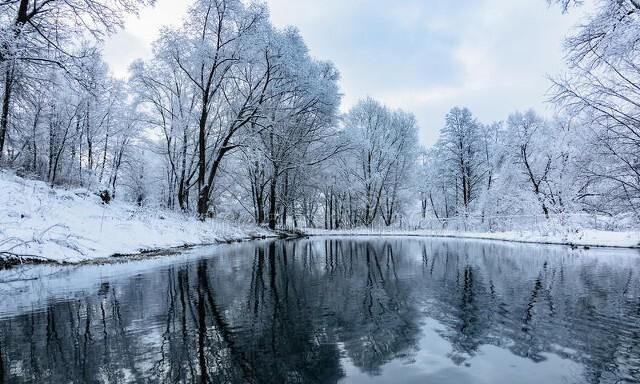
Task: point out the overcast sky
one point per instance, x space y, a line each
424 56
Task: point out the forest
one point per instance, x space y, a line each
233 118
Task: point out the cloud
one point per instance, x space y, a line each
134 42
503 53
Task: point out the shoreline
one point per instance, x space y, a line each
176 250
127 256
495 236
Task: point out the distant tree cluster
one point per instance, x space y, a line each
231 117
526 165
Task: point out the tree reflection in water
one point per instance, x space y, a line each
297 311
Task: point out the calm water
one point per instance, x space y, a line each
394 310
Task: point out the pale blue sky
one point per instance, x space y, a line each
424 56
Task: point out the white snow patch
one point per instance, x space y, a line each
561 236
72 225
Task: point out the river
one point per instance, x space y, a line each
327 310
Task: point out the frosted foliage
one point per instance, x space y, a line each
599 91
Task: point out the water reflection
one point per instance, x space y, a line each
323 311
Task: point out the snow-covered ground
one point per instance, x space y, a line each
72 225
586 237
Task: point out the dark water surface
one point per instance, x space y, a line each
385 310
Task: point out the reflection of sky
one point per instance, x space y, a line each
431 364
424 56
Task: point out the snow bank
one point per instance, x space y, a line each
72 225
587 237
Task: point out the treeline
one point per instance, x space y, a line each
231 117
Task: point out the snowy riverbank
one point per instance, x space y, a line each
587 238
72 225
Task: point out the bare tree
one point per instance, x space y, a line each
44 33
602 87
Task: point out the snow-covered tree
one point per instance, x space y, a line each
298 125
383 150
48 34
601 88
461 150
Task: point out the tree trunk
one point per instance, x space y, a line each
203 193
89 150
433 206
203 202
285 194
273 200
331 209
116 169
104 154
326 210
6 102
260 209
338 212
182 190
34 142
